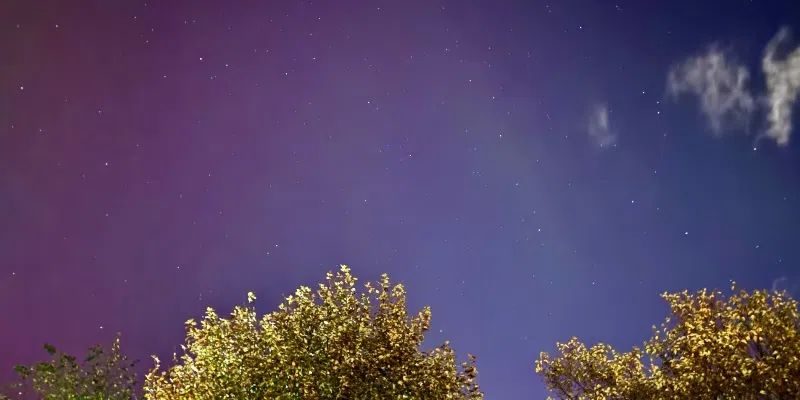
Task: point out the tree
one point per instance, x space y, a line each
746 346
328 344
102 376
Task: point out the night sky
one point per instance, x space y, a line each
530 170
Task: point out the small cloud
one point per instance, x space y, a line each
720 84
788 284
783 87
600 128
779 284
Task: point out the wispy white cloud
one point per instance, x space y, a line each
783 87
600 126
789 284
779 284
720 84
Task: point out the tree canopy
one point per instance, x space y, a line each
337 342
103 375
332 343
745 346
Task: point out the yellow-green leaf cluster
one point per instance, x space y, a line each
332 343
103 375
745 346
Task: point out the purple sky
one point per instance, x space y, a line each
520 166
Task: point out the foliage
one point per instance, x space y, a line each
102 376
328 344
746 346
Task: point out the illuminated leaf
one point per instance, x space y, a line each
745 346
332 343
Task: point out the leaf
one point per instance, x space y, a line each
711 346
50 349
332 343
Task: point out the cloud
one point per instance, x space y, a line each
599 126
779 284
786 283
720 84
783 87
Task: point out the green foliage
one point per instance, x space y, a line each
102 376
332 343
746 346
